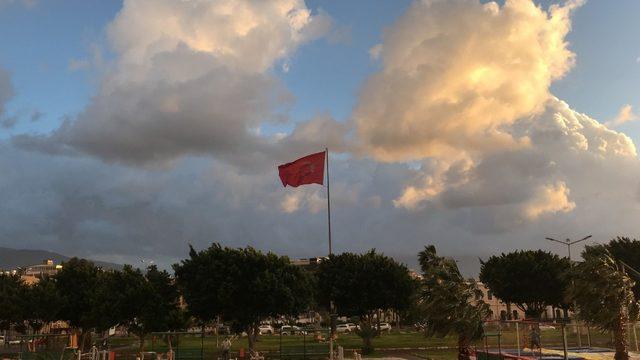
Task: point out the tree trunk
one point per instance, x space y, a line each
620 342
252 333
141 347
464 348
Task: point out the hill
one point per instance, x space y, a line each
13 258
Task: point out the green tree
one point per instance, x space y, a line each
41 303
11 309
451 304
144 303
362 285
76 285
242 286
603 293
532 280
628 251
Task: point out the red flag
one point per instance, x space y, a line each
306 170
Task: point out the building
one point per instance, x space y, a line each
310 264
500 310
33 273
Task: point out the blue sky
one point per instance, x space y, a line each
40 42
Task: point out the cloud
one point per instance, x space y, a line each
625 115
455 73
29 4
549 199
190 78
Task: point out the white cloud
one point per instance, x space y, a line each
625 115
190 77
456 72
549 199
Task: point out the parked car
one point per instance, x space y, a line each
292 330
352 326
385 327
1 340
343 328
266 329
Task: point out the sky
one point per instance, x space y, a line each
130 129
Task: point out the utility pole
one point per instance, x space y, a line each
568 242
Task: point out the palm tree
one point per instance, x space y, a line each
450 303
603 294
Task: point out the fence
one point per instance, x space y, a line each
530 339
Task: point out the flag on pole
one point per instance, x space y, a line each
306 170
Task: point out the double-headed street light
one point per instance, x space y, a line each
568 242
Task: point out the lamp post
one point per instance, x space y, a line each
568 242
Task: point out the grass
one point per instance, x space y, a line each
293 347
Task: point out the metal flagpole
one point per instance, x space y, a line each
331 310
326 150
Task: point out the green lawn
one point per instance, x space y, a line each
188 346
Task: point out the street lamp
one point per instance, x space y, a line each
568 242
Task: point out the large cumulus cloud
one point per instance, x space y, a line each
454 73
190 77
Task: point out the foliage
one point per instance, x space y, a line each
11 289
627 250
604 296
75 285
362 284
532 280
40 303
451 304
243 286
144 303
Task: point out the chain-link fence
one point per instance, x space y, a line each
532 339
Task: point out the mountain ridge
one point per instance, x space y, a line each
13 258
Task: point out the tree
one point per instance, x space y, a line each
362 285
41 303
603 293
451 304
628 251
11 309
532 280
76 286
242 286
144 303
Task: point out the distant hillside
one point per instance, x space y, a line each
13 258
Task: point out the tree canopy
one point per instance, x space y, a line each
450 303
627 250
530 279
603 293
243 286
361 284
11 291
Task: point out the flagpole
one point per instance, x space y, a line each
331 306
328 200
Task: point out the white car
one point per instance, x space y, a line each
343 328
385 327
266 329
292 330
1 340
